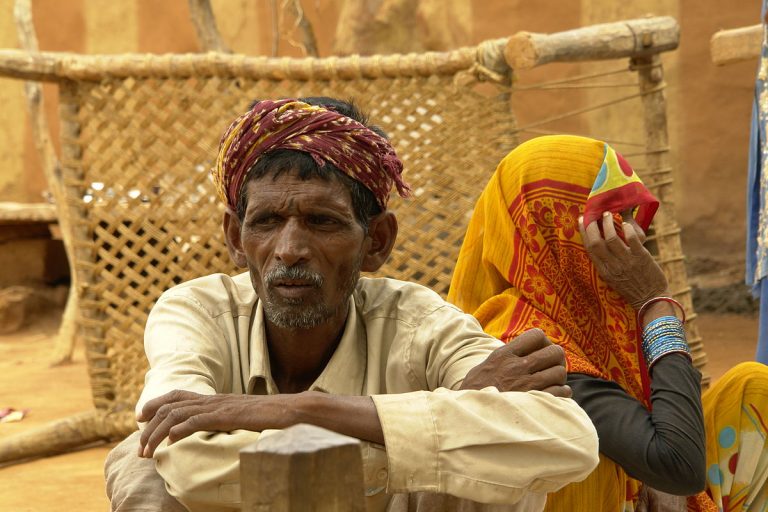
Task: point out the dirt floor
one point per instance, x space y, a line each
74 481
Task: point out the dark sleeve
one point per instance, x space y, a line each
664 448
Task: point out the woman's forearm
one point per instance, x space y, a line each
663 448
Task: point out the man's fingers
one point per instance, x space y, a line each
528 342
561 391
545 358
153 435
552 376
161 417
199 422
150 408
158 417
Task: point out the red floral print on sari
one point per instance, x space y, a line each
546 324
536 284
567 219
543 214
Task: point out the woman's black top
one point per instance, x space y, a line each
663 448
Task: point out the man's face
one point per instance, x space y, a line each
303 248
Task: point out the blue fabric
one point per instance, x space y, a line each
761 354
756 140
757 255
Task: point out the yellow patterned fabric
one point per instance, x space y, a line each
604 490
523 264
736 421
616 186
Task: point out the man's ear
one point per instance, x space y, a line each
231 225
382 232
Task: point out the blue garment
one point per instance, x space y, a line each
757 214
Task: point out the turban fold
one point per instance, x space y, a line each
324 134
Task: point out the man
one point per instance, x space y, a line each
301 338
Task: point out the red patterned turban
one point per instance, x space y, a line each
324 134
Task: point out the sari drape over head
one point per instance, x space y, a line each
523 264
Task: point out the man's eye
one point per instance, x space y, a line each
322 220
264 220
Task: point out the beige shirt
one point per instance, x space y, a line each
404 346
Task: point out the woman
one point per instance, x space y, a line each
529 260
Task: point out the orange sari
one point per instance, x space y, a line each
523 265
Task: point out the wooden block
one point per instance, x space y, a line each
736 45
302 468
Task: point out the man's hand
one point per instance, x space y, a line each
529 362
179 414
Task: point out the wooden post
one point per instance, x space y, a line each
67 335
659 180
308 40
208 36
736 45
302 468
645 36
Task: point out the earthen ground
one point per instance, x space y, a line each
74 481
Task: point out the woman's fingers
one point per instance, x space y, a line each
593 241
615 244
633 239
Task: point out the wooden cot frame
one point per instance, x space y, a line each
640 40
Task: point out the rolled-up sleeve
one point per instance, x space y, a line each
485 445
202 471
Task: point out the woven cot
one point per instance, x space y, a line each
139 133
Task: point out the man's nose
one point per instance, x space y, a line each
293 244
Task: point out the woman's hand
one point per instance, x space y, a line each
625 265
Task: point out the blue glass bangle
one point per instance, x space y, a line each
662 336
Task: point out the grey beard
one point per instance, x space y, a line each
297 318
295 313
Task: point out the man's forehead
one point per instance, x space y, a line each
291 190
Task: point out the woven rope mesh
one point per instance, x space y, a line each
148 218
136 155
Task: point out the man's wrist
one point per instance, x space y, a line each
305 407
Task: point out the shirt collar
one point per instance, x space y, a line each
343 375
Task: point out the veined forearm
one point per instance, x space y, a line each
353 416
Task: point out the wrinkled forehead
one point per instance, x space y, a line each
293 185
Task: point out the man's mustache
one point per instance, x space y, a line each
284 273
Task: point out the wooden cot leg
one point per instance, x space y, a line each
67 335
66 434
65 341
